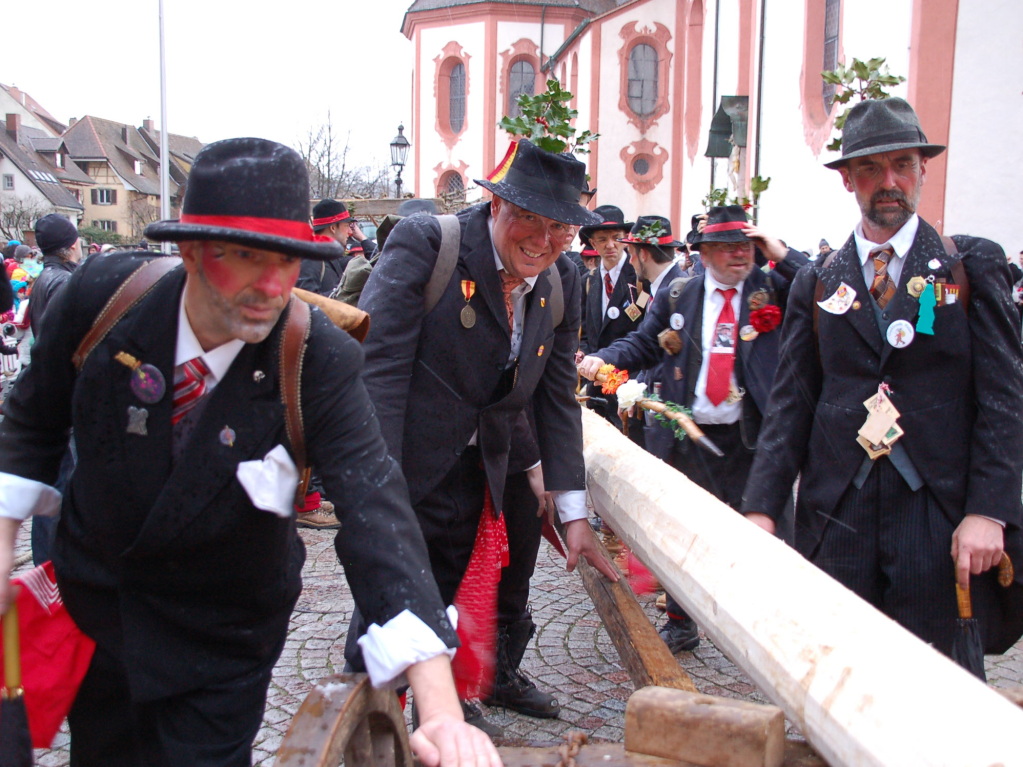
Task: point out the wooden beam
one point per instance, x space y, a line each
862 689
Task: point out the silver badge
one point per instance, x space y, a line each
613 312
258 375
677 321
137 420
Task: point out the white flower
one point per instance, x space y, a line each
629 393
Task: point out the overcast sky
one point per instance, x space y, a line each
233 69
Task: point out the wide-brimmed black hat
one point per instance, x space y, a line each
652 230
544 183
327 212
250 191
613 219
724 224
885 125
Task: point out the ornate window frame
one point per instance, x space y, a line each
450 56
657 38
520 50
655 157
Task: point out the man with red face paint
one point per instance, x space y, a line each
177 551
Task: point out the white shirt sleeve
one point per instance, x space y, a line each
390 649
571 504
21 498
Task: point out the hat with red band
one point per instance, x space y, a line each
327 212
724 224
250 191
614 220
652 230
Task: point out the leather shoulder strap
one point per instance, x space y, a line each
557 295
131 291
447 257
293 340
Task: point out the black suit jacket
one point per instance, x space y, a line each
170 566
598 329
322 276
435 383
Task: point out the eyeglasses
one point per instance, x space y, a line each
727 247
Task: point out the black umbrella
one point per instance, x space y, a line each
967 647
15 739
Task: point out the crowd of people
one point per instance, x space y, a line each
175 410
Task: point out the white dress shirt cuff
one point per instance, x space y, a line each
21 498
571 504
404 640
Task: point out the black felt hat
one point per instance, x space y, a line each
544 183
327 212
613 219
652 230
724 224
249 191
882 125
53 232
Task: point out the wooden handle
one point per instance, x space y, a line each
1006 573
694 432
12 650
964 602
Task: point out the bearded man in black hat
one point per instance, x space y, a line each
448 384
714 351
177 551
898 401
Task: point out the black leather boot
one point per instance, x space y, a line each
512 688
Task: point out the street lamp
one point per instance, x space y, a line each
399 153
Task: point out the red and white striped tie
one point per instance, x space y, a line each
190 388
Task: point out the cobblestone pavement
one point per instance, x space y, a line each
571 655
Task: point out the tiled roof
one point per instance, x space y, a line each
34 107
93 138
38 171
46 145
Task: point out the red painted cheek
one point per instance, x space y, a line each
221 276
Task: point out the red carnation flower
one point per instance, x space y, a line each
766 319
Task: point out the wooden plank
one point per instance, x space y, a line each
600 754
641 650
716 732
860 688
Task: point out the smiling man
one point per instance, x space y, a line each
898 400
177 551
448 382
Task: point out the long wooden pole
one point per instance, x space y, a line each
12 651
860 688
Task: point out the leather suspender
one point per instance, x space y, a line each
293 339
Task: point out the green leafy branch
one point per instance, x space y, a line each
546 120
866 79
671 423
721 196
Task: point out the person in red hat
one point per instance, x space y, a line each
177 551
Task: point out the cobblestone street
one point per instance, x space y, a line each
571 654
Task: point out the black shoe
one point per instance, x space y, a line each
680 635
520 694
475 717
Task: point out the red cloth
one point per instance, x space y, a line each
476 602
312 503
55 654
719 371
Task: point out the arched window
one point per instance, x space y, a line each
832 15
521 80
643 77
456 97
452 183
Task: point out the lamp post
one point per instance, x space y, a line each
399 153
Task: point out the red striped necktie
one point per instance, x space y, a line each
190 388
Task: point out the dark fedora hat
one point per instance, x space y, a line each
544 183
327 212
882 125
250 191
613 219
652 230
724 224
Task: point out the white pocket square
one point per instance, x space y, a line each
271 482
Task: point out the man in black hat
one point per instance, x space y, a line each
333 220
449 384
714 343
898 400
177 552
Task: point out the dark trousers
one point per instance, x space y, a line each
211 727
892 546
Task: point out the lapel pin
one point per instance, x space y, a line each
748 333
856 304
258 375
933 263
539 352
227 436
147 382
137 421
543 302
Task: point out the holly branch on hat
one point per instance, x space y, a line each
546 120
652 233
866 79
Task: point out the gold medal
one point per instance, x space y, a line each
468 316
916 286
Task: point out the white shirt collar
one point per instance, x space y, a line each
613 272
530 281
656 284
218 360
901 242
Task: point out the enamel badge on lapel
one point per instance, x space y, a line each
840 301
677 321
900 334
758 299
748 333
933 263
227 436
539 352
137 421
258 375
543 302
468 314
146 381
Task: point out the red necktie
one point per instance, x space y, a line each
719 372
508 283
190 388
883 286
609 286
